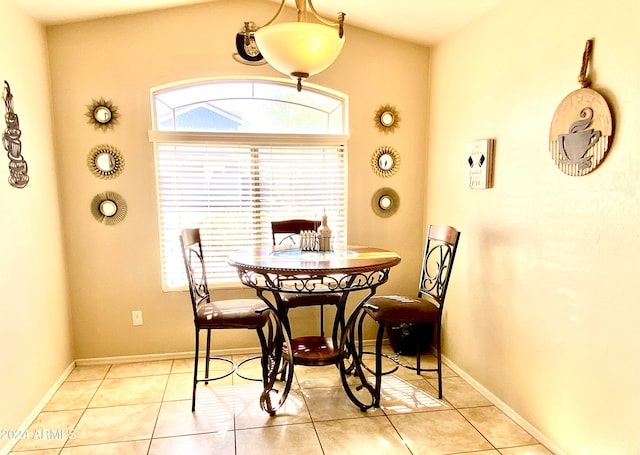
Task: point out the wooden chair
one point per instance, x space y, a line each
439 253
286 232
251 314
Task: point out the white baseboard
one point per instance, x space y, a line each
166 356
533 431
38 409
174 355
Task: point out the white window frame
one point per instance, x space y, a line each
172 268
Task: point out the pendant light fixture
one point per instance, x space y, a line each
299 49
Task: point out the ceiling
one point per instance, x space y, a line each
420 21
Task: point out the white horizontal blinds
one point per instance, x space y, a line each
304 183
233 193
208 188
234 155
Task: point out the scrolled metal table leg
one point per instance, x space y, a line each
276 361
350 361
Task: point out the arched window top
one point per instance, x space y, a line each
248 106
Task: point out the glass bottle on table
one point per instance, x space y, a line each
324 235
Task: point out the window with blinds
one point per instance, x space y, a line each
232 184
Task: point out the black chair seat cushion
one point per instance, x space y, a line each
395 309
298 300
230 314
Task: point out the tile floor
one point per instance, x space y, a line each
145 408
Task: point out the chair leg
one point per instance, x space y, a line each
438 346
207 356
417 351
321 320
195 371
378 388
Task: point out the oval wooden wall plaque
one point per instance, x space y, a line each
581 132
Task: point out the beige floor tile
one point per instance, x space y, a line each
73 395
116 448
536 449
371 435
298 439
179 387
333 403
249 414
482 452
427 361
255 374
127 370
176 419
323 376
437 433
129 404
388 365
250 370
115 424
184 365
137 390
89 372
227 381
50 430
460 394
38 452
497 427
221 443
399 396
216 368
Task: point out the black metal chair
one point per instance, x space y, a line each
394 310
251 314
286 232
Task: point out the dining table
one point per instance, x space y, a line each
274 272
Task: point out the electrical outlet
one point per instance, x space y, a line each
136 317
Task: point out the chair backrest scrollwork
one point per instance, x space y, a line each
194 266
439 253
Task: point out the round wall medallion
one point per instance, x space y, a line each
102 114
108 208
581 132
105 161
387 119
385 202
385 161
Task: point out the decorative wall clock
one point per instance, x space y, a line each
582 127
248 52
387 119
102 114
385 161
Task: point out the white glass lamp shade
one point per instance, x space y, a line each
299 49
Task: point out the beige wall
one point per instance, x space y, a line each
543 303
116 269
543 309
35 332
